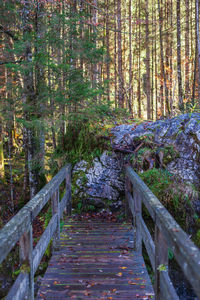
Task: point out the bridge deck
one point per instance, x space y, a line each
96 261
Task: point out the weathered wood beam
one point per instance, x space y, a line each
20 288
185 252
19 228
43 243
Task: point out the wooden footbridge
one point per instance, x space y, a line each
96 259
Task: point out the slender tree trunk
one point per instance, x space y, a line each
108 51
139 66
148 80
130 61
156 69
29 96
115 54
1 151
198 46
162 58
152 63
40 91
180 91
171 58
187 51
120 72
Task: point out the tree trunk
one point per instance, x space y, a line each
162 59
148 80
139 67
198 46
130 61
108 51
180 91
120 72
115 54
29 96
187 51
40 92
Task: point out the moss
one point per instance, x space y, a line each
197 238
170 154
176 197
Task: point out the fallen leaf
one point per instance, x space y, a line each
86 293
133 283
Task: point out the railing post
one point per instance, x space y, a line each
128 188
161 259
68 187
26 258
56 211
137 223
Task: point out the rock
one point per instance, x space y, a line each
182 132
100 183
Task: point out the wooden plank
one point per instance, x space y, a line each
186 253
56 211
38 202
93 270
138 212
128 190
148 242
68 187
64 201
161 259
12 231
20 288
26 258
131 203
43 243
167 290
20 223
148 198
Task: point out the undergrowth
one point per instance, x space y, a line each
177 197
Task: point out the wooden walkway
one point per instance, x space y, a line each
96 258
96 261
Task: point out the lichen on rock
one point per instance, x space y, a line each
100 183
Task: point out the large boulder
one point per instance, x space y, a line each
101 182
182 132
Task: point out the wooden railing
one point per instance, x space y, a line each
19 228
167 235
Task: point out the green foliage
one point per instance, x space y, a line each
81 141
175 196
170 254
161 268
197 236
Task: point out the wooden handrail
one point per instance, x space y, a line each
19 228
168 234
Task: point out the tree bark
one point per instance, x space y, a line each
180 91
162 58
130 61
120 72
148 82
198 46
187 51
29 96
